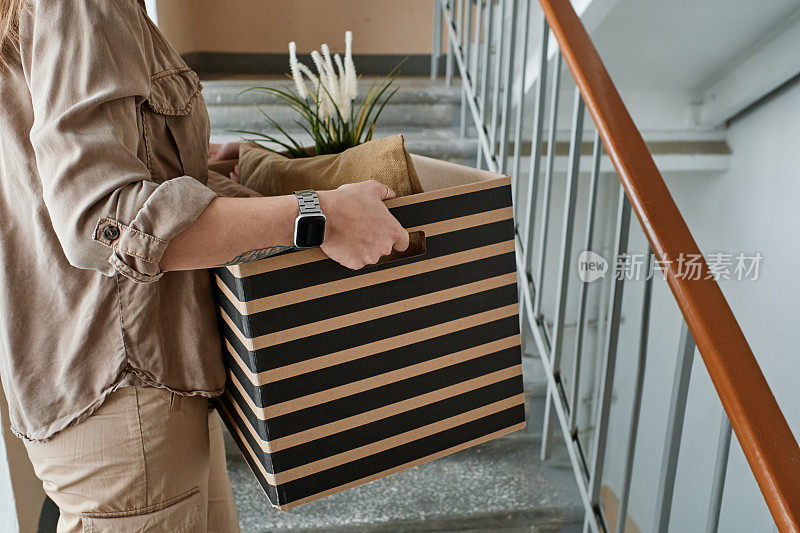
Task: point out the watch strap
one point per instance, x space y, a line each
309 202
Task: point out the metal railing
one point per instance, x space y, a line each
487 43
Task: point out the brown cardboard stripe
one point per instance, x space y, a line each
374 414
309 256
306 452
252 462
405 466
372 348
240 419
397 440
258 459
450 191
265 445
271 478
365 280
358 317
297 277
390 377
361 299
370 399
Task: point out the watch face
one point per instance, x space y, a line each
309 231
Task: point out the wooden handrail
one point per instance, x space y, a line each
761 428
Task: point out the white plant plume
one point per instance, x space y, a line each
324 94
326 106
350 67
333 89
310 75
297 75
343 89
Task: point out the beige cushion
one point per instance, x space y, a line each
384 160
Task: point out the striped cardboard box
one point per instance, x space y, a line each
338 377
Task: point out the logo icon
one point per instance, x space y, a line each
591 266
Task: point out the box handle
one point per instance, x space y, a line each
416 246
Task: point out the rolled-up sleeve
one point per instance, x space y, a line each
85 64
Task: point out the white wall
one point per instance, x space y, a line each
21 494
8 510
753 207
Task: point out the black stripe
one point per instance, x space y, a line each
380 363
325 271
361 468
388 394
350 439
328 342
270 490
395 425
417 215
353 404
246 355
450 207
233 418
309 311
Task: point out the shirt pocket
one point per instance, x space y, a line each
178 515
175 126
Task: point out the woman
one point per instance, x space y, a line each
108 343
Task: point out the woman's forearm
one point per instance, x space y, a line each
359 229
233 230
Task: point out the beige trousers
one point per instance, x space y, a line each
146 460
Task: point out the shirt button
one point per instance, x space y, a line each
111 233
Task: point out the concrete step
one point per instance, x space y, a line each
412 90
419 103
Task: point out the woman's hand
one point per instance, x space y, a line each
221 152
359 228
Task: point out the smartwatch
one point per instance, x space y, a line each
309 226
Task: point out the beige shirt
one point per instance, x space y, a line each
103 146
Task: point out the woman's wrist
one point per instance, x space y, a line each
328 203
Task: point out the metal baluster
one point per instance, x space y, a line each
476 42
526 5
536 142
466 29
536 148
510 49
436 51
720 471
610 356
463 35
448 67
584 292
672 444
630 448
571 195
548 178
496 87
487 40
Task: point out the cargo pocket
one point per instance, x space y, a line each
175 126
178 515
